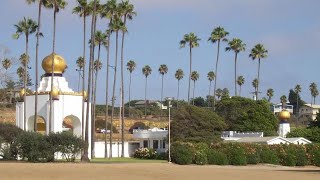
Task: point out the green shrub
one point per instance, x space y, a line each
200 158
253 158
268 156
316 157
301 156
182 153
237 156
217 158
9 132
145 153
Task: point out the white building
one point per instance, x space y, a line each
277 108
309 111
152 138
66 106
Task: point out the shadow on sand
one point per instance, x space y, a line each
302 170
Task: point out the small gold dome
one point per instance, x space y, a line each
22 92
284 115
85 95
55 93
59 64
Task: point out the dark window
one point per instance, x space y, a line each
163 144
145 144
155 144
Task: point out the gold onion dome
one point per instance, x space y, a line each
284 115
85 95
59 64
22 92
55 93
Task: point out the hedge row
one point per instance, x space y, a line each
243 154
35 147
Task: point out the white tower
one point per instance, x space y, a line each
66 106
284 126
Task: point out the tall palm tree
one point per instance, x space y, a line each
80 64
41 3
56 5
236 45
194 77
225 93
131 66
163 69
126 10
217 35
314 92
179 75
270 93
116 25
240 82
25 27
108 10
283 100
83 10
192 41
146 71
219 93
258 52
211 76
297 90
6 63
255 84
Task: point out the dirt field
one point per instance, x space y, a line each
149 171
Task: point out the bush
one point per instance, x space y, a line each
9 132
301 156
217 158
145 153
237 157
200 158
253 158
268 156
182 153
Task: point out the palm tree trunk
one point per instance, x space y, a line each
113 91
25 85
37 78
83 75
194 86
258 80
107 100
215 79
240 91
122 92
209 94
190 50
85 157
178 93
145 98
161 96
235 74
129 94
297 110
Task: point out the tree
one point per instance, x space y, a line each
131 66
270 93
236 45
199 102
163 69
146 71
283 100
192 41
255 84
219 93
194 78
244 114
225 93
179 75
240 82
80 64
211 76
195 124
83 10
258 52
26 27
6 63
314 92
217 35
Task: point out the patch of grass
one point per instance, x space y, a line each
126 160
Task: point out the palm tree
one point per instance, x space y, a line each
80 64
240 82
179 75
83 10
6 63
258 52
211 76
297 90
283 100
146 71
270 93
236 45
193 41
26 27
163 69
217 35
131 66
194 77
126 10
108 10
219 93
314 92
225 93
255 84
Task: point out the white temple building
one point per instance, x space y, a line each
66 104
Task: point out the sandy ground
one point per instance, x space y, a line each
149 171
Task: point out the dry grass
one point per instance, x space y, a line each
149 171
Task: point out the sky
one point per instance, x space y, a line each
289 29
